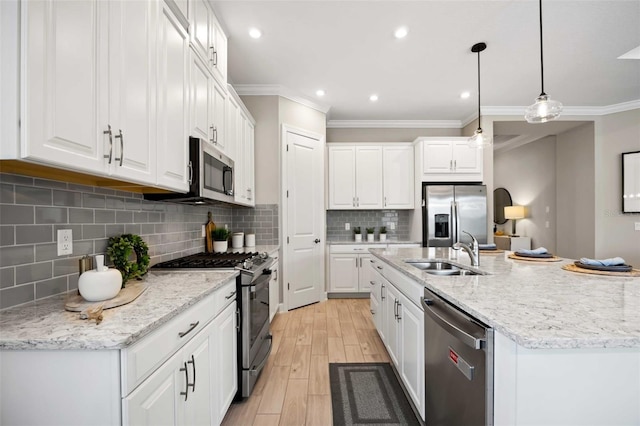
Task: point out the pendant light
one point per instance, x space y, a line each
479 139
544 108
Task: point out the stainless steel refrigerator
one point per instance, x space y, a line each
447 210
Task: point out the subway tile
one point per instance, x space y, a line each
104 216
72 281
113 230
33 234
18 215
104 191
66 266
16 295
140 217
7 277
100 246
83 247
48 251
124 217
80 216
132 204
132 228
67 198
91 232
50 287
51 215
7 235
147 228
16 255
18 179
33 272
32 196
95 201
7 193
81 188
46 183
115 203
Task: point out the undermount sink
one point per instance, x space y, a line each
440 268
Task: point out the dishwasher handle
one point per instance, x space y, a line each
440 318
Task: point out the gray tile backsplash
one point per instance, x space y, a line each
32 210
336 220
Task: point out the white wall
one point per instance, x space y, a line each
529 174
385 134
614 231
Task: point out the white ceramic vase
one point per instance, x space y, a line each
383 237
96 286
358 237
220 246
370 238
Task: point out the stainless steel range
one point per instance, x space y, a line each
252 287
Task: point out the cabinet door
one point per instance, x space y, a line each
225 367
157 401
436 157
369 177
201 104
342 177
173 102
219 58
411 342
274 291
240 158
132 88
249 132
466 159
390 326
65 83
219 98
364 273
344 272
398 177
201 29
233 116
197 359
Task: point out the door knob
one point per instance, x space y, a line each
317 240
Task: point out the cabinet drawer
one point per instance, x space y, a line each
354 248
224 296
410 288
146 355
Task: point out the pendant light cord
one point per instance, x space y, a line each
541 56
479 126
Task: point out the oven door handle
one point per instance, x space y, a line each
256 369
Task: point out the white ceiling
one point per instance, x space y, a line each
348 49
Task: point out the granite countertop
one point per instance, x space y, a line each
536 304
46 325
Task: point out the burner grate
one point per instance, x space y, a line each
207 261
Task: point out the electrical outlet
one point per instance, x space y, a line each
203 232
347 226
65 242
392 225
637 226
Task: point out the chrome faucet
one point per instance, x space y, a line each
472 250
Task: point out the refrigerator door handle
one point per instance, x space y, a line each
457 220
454 223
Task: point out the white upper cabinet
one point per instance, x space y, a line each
64 83
208 39
173 103
369 177
201 111
449 159
240 133
398 177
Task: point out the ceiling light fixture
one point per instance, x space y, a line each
401 32
255 33
373 98
544 108
479 139
465 95
320 92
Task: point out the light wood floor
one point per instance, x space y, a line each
293 388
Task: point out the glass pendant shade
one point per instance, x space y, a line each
543 110
479 140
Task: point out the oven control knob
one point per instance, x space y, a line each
263 255
246 264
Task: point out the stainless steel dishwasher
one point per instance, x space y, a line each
458 366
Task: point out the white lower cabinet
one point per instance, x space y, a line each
225 349
349 268
399 320
274 288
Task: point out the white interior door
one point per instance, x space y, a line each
303 224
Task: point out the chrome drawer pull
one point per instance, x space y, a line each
186 375
110 133
230 295
191 327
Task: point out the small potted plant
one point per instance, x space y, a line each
383 233
220 240
357 233
370 235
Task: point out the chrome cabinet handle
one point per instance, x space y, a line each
361 262
191 327
379 267
356 262
385 201
357 201
395 309
214 55
212 138
450 164
190 166
110 133
353 203
215 135
398 317
238 319
382 288
119 136
275 275
455 164
230 295
186 375
193 385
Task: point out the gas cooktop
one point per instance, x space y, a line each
246 262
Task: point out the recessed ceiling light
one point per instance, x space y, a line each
255 33
465 95
373 98
401 32
320 92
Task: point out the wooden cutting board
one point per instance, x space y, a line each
132 290
496 251
208 229
535 259
574 268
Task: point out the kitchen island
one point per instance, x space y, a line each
567 345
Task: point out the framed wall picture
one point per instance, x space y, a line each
631 182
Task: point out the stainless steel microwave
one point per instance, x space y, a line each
210 177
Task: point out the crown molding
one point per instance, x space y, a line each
394 124
279 90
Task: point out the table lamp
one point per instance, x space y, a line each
513 213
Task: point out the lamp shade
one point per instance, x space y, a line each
514 212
